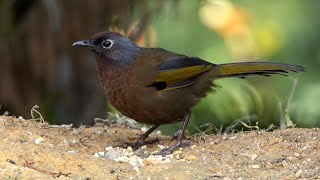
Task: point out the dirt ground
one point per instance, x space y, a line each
34 150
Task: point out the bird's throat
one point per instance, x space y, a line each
110 75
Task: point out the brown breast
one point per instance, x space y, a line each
141 103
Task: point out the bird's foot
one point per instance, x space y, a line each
136 145
171 149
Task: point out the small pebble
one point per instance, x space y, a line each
98 132
177 156
298 173
112 154
129 149
284 164
38 140
98 154
51 146
161 147
156 157
254 156
177 152
269 165
65 142
137 169
255 166
180 160
191 158
135 161
144 129
148 161
108 148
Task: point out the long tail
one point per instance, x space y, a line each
243 69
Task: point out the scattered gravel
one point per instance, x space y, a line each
141 157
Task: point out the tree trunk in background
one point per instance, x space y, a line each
39 66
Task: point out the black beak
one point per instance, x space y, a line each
84 43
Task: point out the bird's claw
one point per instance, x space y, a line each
136 145
170 150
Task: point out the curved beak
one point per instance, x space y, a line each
84 43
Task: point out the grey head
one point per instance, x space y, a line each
111 47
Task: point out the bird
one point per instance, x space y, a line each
156 86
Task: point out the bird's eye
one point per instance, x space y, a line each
107 44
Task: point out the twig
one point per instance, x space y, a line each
271 127
236 122
54 174
287 105
294 86
33 110
103 121
249 126
202 134
67 126
137 30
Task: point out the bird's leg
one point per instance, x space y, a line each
146 134
179 140
140 142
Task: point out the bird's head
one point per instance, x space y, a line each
111 47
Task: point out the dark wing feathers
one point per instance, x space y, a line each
180 72
182 62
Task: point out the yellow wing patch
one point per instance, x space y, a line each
174 76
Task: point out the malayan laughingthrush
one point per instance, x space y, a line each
155 86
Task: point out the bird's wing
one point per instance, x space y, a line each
165 70
181 71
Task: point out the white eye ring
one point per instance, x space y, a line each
107 44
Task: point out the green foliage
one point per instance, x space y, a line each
306 108
284 31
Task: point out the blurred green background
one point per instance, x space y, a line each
39 66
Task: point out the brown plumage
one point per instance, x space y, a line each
156 86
